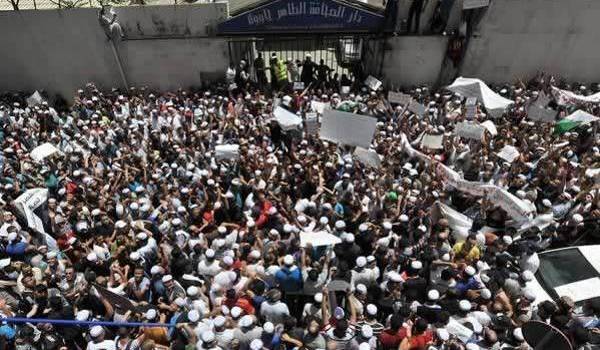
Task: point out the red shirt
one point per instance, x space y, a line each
391 340
420 342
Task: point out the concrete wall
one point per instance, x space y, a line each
413 60
61 50
518 38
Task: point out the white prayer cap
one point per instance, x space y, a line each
507 240
364 346
361 261
486 294
363 227
546 202
527 276
255 254
134 256
349 238
433 295
181 209
318 297
529 295
403 218
416 265
236 311
288 260
269 327
96 331
82 315
370 259
387 225
227 260
323 220
395 276
141 236
246 321
470 270
366 331
180 301
222 229
155 270
371 309
208 337
272 211
577 218
301 219
192 291
442 334
193 315
176 222
151 314
256 344
361 288
134 206
167 278
219 321
464 305
209 253
92 257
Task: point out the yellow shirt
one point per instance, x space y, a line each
471 255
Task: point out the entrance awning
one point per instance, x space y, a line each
306 16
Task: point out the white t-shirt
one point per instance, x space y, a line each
103 345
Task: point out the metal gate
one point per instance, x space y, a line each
340 53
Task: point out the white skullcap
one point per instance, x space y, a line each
340 225
141 236
318 297
395 277
361 288
323 220
236 311
82 315
349 238
364 346
92 257
578 218
193 315
366 331
151 314
464 305
269 327
370 258
219 321
156 270
363 227
433 295
192 291
507 240
134 256
208 337
246 321
176 222
255 254
96 331
227 260
416 265
209 253
272 211
527 275
446 257
371 309
470 270
180 301
166 278
361 261
442 334
529 295
546 202
404 218
288 260
387 225
222 229
256 344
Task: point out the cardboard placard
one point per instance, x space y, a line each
541 114
312 123
373 83
470 130
348 128
509 153
286 119
432 141
399 98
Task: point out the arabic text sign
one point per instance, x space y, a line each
470 130
348 128
294 15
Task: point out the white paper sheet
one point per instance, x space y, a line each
286 119
469 87
227 151
43 151
509 153
432 141
399 98
317 239
470 130
373 83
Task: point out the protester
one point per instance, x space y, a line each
185 210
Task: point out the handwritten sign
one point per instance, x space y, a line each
416 108
470 130
298 85
302 16
432 141
509 153
399 98
373 83
367 157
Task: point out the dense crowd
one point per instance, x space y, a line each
140 208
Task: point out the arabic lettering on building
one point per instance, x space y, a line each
305 8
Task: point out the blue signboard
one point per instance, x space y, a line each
297 16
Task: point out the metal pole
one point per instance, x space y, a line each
119 64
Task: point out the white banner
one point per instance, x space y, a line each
286 119
581 116
317 239
227 152
28 202
298 85
468 87
566 97
470 130
348 128
43 151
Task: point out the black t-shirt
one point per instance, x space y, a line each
415 289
